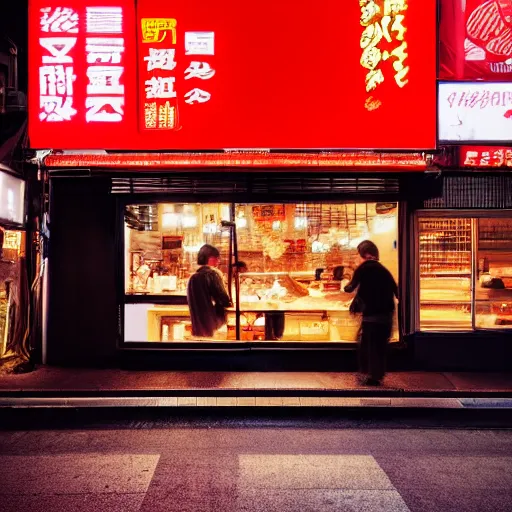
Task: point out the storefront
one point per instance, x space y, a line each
174 127
126 245
464 272
445 237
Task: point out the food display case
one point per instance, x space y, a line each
493 296
273 307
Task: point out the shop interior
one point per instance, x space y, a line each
465 273
297 259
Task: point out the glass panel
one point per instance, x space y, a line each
297 256
162 242
445 274
494 286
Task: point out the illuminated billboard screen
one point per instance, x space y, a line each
216 75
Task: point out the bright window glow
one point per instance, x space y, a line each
382 225
210 228
241 222
319 247
169 220
300 222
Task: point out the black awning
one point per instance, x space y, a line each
269 187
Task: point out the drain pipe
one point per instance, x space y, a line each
13 76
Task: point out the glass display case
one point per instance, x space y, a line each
297 258
465 272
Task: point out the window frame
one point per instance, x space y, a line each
124 298
474 215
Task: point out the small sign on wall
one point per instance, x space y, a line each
268 212
486 156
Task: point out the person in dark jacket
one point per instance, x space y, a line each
206 294
375 300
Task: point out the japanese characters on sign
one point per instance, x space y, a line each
383 40
60 31
168 51
486 156
475 111
159 55
105 51
200 44
58 38
268 212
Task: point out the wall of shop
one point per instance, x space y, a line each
477 351
82 321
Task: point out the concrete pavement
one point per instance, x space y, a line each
256 467
79 387
52 381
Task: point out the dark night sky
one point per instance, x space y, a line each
13 23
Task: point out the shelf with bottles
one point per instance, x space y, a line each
445 261
437 236
459 225
445 273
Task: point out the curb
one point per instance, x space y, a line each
253 402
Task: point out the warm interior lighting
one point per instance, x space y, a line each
381 225
300 222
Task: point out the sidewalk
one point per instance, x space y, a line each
76 387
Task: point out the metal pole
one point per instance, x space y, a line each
237 283
230 258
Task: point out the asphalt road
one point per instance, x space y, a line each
196 463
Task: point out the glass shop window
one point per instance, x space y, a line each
162 242
465 273
297 258
445 274
493 290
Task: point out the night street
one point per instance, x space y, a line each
256 256
307 464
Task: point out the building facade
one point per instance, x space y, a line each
171 128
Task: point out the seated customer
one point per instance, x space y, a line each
206 295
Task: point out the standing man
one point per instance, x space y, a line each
206 294
375 300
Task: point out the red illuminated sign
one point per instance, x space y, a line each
486 156
82 73
219 75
